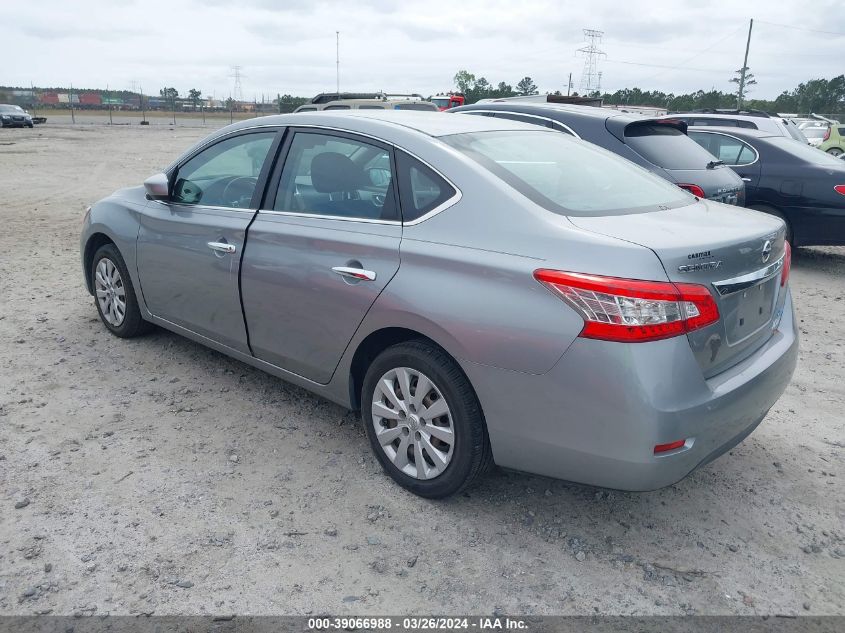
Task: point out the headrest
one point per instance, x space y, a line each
332 172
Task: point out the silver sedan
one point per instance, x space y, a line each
483 291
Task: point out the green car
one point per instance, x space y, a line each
834 140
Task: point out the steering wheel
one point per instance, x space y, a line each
245 183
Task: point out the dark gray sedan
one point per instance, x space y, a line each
14 116
482 290
659 145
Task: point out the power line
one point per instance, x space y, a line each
801 28
683 64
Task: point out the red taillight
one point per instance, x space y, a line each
694 190
840 189
826 134
787 263
632 310
671 446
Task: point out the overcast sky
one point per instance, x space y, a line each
288 46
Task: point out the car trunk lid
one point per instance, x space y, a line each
737 254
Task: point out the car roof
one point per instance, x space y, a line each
549 109
434 124
734 131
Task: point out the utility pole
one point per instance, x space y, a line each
337 60
143 107
109 98
569 85
744 68
70 99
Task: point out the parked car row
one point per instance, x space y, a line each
661 146
484 290
782 175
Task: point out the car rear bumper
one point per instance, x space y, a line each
596 417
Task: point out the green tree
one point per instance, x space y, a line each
464 80
194 97
743 83
526 86
170 95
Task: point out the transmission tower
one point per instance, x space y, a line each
590 77
237 94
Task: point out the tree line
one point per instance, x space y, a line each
822 96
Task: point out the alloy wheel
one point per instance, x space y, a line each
413 423
111 293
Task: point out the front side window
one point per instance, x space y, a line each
421 189
225 174
337 176
337 107
728 149
568 176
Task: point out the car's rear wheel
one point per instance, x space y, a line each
424 421
772 211
114 295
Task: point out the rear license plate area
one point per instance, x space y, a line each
748 311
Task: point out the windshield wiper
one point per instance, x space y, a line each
715 163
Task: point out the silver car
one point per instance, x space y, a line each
482 290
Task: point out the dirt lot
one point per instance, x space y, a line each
156 476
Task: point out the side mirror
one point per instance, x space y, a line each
158 187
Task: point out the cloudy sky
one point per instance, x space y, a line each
288 46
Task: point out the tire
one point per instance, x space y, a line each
772 211
110 276
834 151
467 453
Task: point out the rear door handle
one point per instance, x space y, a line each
355 273
746 179
222 247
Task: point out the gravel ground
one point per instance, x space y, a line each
157 476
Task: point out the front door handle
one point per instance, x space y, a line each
746 179
355 273
222 247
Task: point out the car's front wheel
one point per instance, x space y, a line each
834 151
114 295
424 421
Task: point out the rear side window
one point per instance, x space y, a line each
841 131
421 189
371 107
665 146
337 107
728 149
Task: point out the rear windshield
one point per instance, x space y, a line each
666 146
805 152
568 176
428 107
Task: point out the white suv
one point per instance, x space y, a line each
751 119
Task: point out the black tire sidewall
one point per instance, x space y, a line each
132 322
466 415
